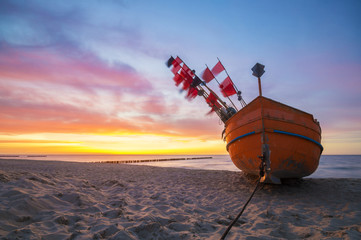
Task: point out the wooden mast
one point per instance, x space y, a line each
258 71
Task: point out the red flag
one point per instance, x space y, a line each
187 79
207 75
175 69
177 79
227 87
177 61
187 83
211 98
213 109
213 101
192 93
188 70
217 69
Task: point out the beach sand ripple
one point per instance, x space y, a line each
64 200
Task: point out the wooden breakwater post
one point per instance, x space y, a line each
153 160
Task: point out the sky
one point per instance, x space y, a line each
89 76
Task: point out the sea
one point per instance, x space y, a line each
331 166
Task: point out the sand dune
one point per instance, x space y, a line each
62 200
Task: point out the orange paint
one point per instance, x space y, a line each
293 137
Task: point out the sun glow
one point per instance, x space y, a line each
108 144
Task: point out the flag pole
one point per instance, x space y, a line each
205 95
243 103
227 74
220 84
220 100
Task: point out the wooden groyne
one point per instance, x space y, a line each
154 160
27 156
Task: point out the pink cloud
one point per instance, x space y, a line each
57 119
82 70
67 119
25 110
154 105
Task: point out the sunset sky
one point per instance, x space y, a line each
90 76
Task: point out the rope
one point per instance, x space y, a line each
240 213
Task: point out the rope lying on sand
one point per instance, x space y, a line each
240 213
261 174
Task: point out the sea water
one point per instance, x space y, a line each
331 166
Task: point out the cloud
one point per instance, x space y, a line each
31 109
89 25
78 69
23 118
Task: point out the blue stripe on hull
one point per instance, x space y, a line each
239 137
277 131
300 136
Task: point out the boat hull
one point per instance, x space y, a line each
292 137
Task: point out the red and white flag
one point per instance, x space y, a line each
217 69
227 87
207 75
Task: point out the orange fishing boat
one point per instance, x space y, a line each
285 139
264 137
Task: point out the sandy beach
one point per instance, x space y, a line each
65 200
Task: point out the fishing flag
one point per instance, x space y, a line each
217 69
213 102
192 93
177 79
227 87
175 69
173 62
188 70
177 61
187 83
187 79
207 75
